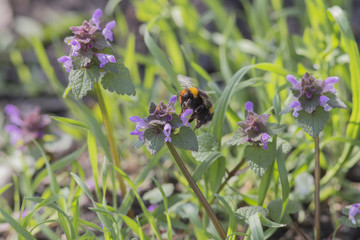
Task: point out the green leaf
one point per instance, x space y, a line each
274 128
313 123
100 42
185 139
285 187
117 78
18 228
131 223
4 188
275 208
255 227
154 195
244 213
82 80
260 159
70 122
207 144
265 184
267 223
238 137
155 140
205 164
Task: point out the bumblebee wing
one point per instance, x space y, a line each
185 81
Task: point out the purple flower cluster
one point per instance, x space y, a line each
254 128
353 210
87 42
24 129
311 93
162 120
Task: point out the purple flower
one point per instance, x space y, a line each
152 207
249 106
297 107
353 210
75 46
67 61
264 140
95 18
158 126
24 129
254 129
184 116
167 132
311 93
106 32
105 58
329 84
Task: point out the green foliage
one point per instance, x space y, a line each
185 139
313 123
117 78
260 159
82 80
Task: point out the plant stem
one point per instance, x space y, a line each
110 137
196 190
317 188
230 175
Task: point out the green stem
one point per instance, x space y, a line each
110 137
317 188
197 191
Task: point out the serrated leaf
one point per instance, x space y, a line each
244 213
185 139
83 60
313 123
154 195
82 80
100 42
259 159
335 102
176 121
139 143
309 105
238 137
274 128
207 144
275 209
118 80
155 140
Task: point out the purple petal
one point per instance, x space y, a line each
95 18
323 100
140 123
15 134
75 46
292 80
173 99
138 133
264 140
329 84
105 58
106 32
249 106
167 132
184 116
14 114
152 207
353 210
67 61
297 107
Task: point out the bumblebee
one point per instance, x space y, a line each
197 100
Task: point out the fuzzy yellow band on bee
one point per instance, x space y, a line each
194 91
211 110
